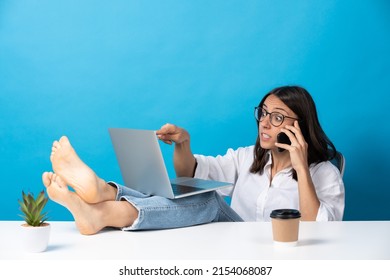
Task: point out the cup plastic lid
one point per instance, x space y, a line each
285 214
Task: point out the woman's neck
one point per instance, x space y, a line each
280 161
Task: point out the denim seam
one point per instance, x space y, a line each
140 217
226 215
191 205
119 190
224 212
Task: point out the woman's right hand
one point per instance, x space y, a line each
183 159
170 133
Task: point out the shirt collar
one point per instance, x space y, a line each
267 166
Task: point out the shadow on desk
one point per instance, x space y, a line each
313 242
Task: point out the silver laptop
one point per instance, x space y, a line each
142 166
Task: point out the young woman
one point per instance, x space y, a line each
264 178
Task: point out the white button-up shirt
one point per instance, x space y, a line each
254 196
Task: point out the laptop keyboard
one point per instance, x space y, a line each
181 189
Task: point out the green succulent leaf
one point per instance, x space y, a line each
32 208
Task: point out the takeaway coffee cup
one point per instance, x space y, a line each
285 226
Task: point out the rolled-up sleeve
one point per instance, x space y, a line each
221 168
202 167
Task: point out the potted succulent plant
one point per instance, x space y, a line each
35 230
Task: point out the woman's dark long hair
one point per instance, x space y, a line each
320 148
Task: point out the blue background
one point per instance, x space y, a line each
78 67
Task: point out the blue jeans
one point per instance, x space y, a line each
156 212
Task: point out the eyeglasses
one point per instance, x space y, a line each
275 118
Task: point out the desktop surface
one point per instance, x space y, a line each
363 240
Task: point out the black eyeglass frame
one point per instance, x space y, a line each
259 108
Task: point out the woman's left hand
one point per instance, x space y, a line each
298 147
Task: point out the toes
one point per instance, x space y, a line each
46 178
56 144
54 178
58 180
64 140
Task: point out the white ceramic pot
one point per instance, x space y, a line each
35 239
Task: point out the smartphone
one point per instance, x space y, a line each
283 139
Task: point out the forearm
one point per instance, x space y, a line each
184 160
308 200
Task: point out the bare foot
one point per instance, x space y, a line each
86 215
89 218
76 174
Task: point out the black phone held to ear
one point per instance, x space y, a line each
283 139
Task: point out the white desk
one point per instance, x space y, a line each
222 241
